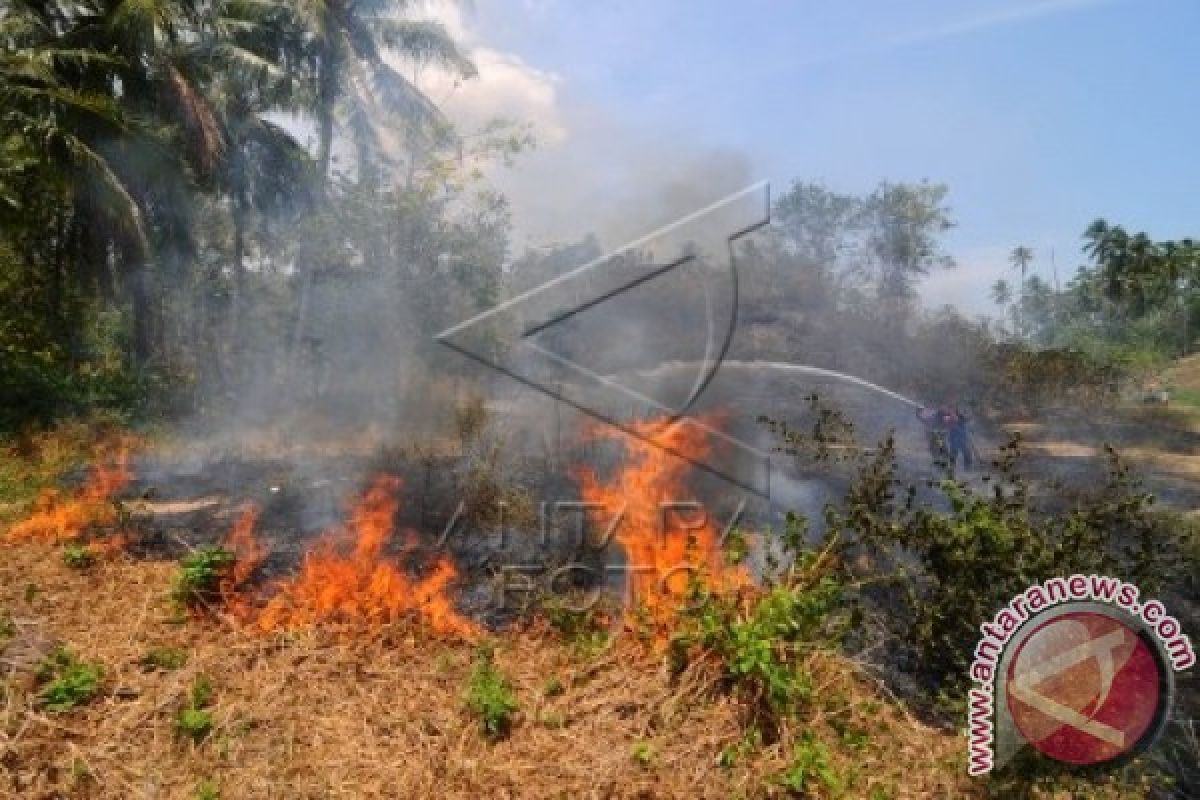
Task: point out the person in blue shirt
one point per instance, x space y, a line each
949 437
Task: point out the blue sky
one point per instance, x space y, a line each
1040 115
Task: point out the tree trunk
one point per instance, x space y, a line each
327 90
139 295
238 317
57 301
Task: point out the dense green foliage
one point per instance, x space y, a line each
923 564
1133 305
984 549
974 549
762 644
147 190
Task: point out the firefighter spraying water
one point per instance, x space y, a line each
947 428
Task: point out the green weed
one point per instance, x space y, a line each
761 645
490 696
78 556
199 575
68 682
810 767
195 721
164 658
207 790
643 753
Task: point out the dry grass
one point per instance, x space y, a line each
381 715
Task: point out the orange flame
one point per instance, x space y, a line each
360 585
248 555
56 519
665 549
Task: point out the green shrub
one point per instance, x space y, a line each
78 556
736 546
552 720
762 642
490 696
202 692
584 629
199 575
67 682
986 548
749 744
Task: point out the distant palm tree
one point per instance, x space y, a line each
1001 293
1020 258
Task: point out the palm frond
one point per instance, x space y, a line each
205 138
423 41
228 56
116 199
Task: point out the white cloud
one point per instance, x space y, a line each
591 172
505 88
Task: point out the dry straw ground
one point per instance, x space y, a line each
331 714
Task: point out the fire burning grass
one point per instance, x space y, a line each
356 575
348 577
667 545
59 518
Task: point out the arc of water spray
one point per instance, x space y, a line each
780 366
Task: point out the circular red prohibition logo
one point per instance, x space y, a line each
1085 688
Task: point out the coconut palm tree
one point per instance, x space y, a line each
351 41
1001 293
1020 258
118 94
60 114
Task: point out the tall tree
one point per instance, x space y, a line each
1020 258
905 223
1001 293
351 40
